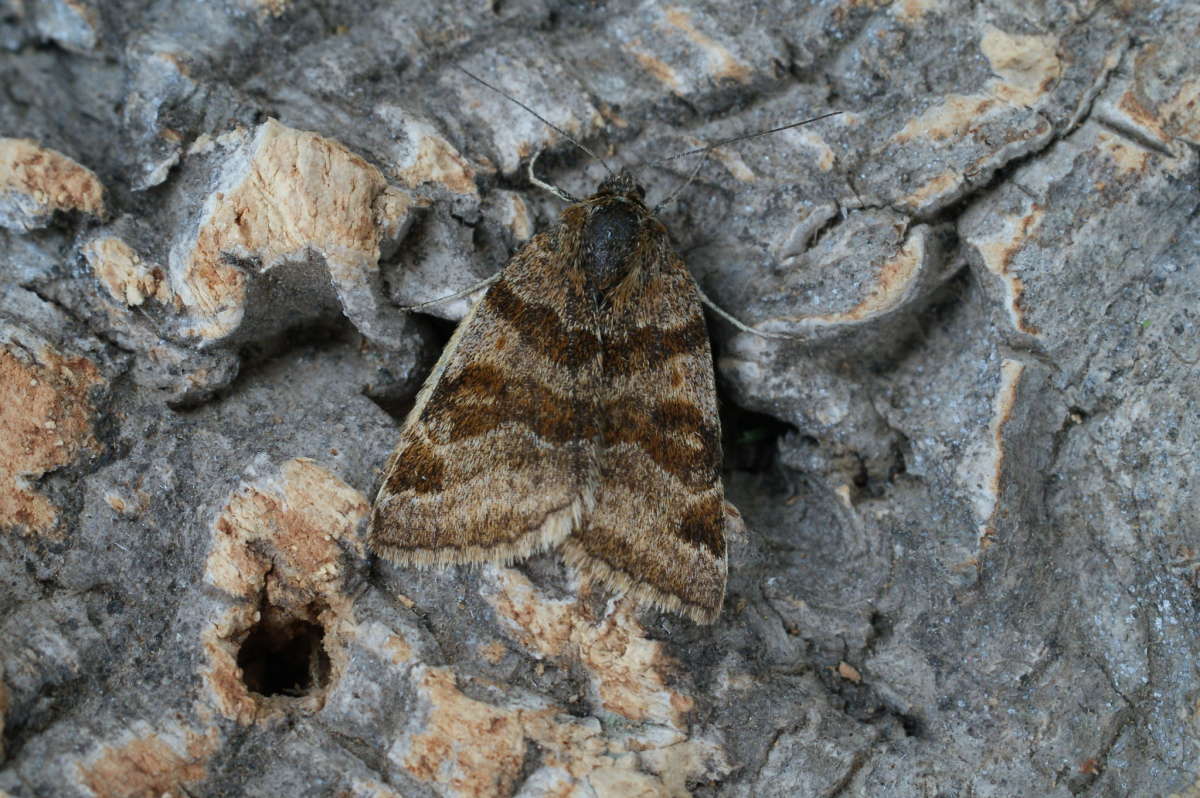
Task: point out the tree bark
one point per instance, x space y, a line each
968 480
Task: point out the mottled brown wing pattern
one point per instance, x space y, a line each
496 460
658 528
575 405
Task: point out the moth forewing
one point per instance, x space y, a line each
574 405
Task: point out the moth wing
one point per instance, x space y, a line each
496 459
658 528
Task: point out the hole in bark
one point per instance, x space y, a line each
284 655
913 726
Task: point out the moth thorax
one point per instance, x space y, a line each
608 242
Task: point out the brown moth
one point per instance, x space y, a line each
575 407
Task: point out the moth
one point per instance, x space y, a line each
574 407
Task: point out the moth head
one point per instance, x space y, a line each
613 221
622 185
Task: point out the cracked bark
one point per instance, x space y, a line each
970 482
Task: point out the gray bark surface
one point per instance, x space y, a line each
972 550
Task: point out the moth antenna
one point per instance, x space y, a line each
484 283
735 139
715 308
555 190
671 197
704 151
538 116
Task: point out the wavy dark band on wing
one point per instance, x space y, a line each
675 434
484 396
541 328
641 348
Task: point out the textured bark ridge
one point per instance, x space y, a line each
971 556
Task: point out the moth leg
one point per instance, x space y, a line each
484 283
739 325
555 190
671 197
